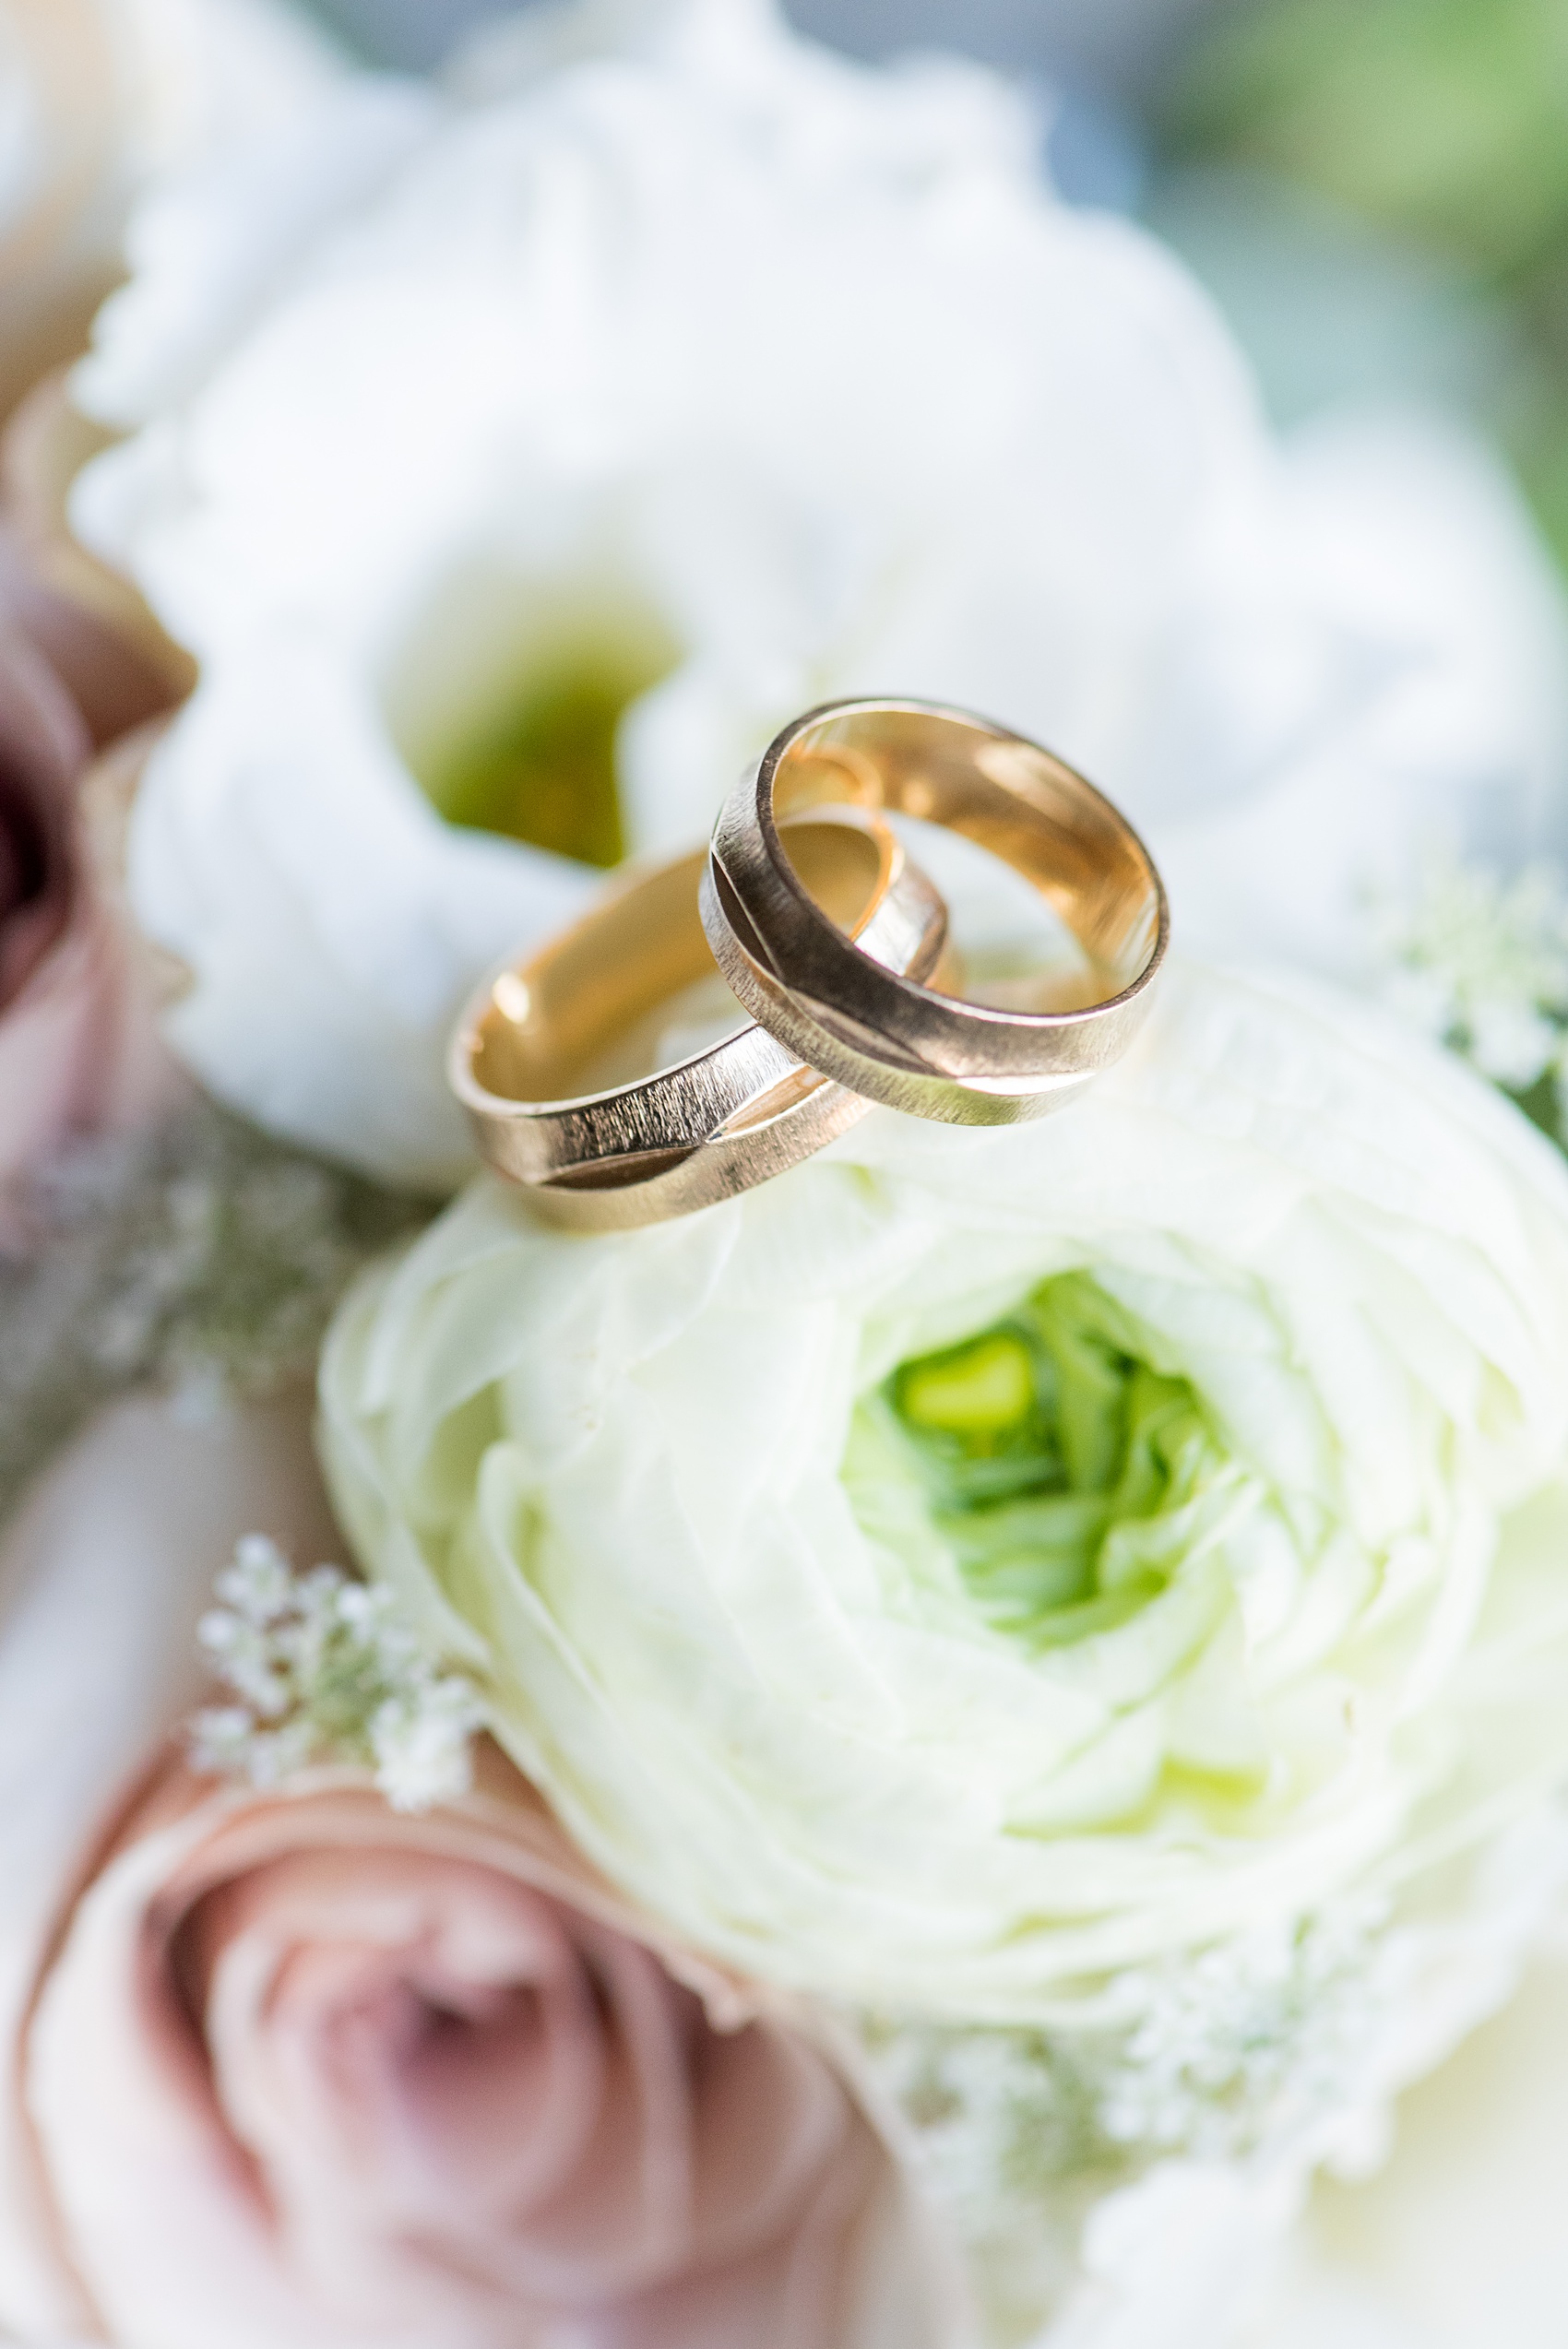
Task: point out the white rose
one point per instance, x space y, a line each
532 453
973 1564
98 98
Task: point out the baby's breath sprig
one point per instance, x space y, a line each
1248 2041
326 1668
1481 963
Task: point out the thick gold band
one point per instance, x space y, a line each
880 1031
537 1058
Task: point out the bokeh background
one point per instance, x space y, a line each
1114 45
1375 191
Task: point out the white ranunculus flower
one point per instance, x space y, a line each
99 99
527 455
974 1564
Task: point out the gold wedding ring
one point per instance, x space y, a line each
545 1058
881 1031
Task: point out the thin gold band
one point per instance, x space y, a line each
611 1154
881 1031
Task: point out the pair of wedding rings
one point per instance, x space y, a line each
833 940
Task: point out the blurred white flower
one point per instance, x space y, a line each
1459 2241
1421 541
98 99
524 456
974 1565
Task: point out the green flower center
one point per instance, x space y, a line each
541 767
507 706
1046 1460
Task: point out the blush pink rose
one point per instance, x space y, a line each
402 2080
78 1047
293 2071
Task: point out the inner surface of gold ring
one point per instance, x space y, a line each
885 1032
1044 820
553 1059
604 984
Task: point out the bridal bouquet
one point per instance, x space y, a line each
921 1756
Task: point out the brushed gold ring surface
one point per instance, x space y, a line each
883 1032
538 1057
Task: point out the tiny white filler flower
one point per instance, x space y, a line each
322 1668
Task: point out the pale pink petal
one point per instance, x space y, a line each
103 1574
79 1052
297 2072
113 681
375 2081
